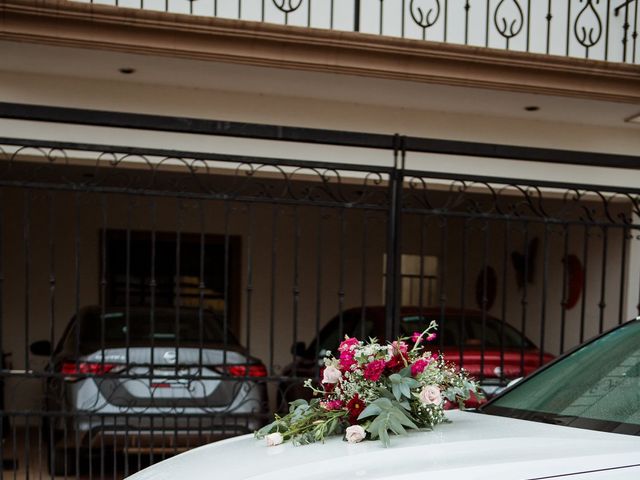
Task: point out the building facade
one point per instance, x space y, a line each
284 162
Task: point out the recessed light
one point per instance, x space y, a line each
127 70
633 119
532 108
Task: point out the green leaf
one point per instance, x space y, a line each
401 386
397 393
266 430
384 436
405 390
297 403
405 420
391 417
375 408
385 393
396 426
369 411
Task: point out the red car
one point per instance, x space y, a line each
506 355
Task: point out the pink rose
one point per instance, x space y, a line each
374 369
355 434
331 375
274 439
430 395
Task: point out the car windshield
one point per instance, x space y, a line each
595 387
137 328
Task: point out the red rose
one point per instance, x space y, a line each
399 356
355 408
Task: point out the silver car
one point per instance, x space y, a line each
141 380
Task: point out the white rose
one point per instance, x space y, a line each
430 395
274 439
355 434
331 375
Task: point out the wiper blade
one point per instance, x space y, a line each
553 419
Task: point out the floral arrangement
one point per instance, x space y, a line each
371 390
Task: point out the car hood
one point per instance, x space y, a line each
472 446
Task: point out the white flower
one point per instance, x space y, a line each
355 434
430 395
274 439
331 375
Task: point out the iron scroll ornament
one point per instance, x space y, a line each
518 201
210 177
425 17
588 26
287 7
508 19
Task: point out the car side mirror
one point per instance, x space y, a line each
41 348
298 349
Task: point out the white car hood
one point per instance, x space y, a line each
472 446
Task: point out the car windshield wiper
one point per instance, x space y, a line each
552 418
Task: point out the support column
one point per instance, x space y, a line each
632 297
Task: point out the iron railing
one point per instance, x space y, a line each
596 29
273 253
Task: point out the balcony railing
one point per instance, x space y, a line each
595 29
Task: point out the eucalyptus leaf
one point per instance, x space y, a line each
370 410
404 419
396 426
397 393
385 393
405 390
384 436
296 403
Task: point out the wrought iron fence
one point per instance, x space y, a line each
156 300
597 29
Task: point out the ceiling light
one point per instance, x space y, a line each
633 119
532 108
127 70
